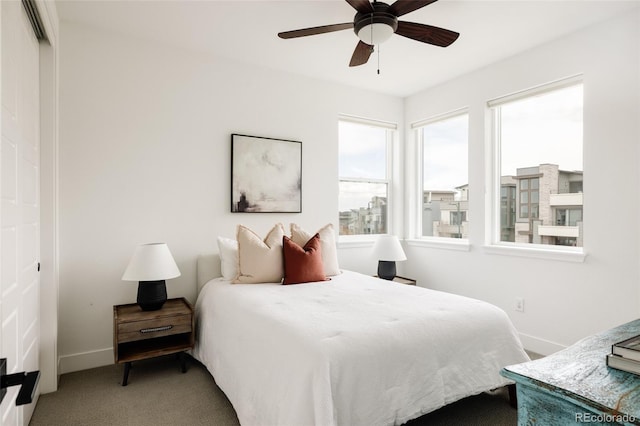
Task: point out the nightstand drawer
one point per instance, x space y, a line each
157 327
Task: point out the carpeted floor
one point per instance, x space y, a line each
159 394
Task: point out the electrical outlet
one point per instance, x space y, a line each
519 306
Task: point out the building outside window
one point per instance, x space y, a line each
364 168
538 139
443 142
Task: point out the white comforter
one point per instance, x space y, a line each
355 350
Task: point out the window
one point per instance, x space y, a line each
568 217
529 197
538 170
444 188
458 218
364 168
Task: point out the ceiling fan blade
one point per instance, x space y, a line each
315 30
402 7
427 33
361 54
362 6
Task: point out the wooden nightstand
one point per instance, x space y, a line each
139 334
402 280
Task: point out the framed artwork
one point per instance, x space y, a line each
266 175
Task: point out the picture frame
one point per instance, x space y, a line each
266 175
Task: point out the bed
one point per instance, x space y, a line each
354 350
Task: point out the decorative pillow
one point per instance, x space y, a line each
228 250
328 243
303 264
259 261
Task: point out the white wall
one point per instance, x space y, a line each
145 156
563 301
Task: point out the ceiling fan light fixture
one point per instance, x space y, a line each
376 33
377 26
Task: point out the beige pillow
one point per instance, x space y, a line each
259 261
327 242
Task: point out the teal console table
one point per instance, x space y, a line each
575 386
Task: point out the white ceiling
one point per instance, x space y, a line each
246 31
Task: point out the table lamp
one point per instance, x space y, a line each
387 250
151 265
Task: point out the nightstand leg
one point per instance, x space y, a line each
125 379
183 362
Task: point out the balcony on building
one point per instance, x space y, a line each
559 231
568 199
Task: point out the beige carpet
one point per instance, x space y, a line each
159 394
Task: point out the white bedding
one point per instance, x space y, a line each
355 350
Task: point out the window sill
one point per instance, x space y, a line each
356 241
441 243
537 252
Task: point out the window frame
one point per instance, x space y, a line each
391 138
493 243
418 239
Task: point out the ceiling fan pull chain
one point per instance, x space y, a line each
373 43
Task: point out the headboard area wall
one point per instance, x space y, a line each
194 195
208 266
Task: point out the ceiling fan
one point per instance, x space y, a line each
376 22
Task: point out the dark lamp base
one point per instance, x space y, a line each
386 269
151 295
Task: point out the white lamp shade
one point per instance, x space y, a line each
376 33
388 248
151 262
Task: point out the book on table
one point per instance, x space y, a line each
629 348
624 364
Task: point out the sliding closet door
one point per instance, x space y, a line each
20 203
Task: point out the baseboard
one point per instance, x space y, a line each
540 346
85 360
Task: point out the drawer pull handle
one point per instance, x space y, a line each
155 329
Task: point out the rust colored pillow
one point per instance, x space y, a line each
302 264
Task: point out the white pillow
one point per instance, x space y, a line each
228 250
327 242
260 261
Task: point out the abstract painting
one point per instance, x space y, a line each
266 175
